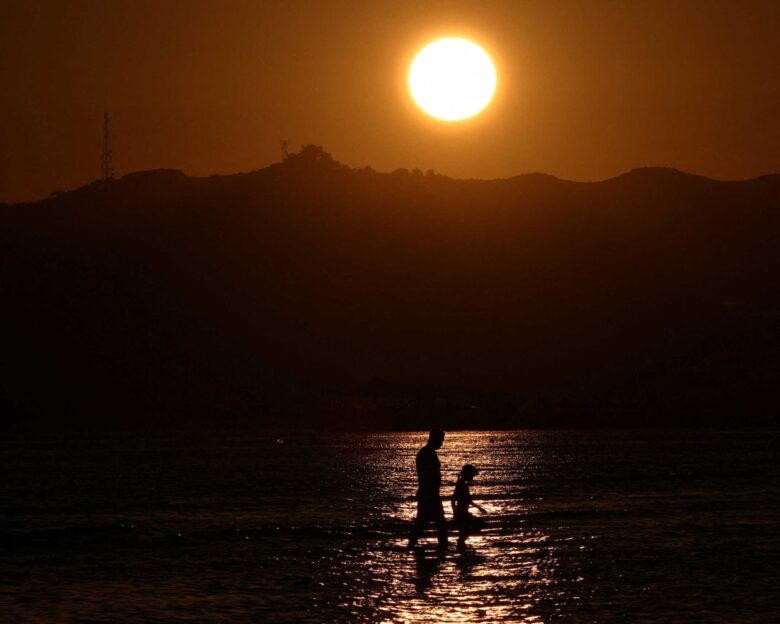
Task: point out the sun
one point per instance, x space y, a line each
452 79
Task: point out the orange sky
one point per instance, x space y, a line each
587 89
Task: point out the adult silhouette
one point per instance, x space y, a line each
429 505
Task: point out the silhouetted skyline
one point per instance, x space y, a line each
353 298
587 90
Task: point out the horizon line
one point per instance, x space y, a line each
398 171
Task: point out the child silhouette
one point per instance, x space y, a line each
461 501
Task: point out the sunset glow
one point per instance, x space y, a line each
410 312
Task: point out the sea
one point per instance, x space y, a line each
294 527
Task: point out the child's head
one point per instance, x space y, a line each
468 472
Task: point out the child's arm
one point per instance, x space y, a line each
480 507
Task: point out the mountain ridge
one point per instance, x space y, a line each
279 295
639 174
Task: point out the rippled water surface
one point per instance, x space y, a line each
648 526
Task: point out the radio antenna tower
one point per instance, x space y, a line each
106 166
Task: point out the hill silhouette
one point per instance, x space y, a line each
310 293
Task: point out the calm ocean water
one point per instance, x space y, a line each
602 526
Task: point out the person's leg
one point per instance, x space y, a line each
441 523
462 531
419 523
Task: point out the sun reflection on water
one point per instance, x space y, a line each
582 527
504 574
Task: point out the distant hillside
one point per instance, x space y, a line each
310 293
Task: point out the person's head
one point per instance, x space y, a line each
467 473
436 438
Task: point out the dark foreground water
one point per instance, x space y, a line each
609 526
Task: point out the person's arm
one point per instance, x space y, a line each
471 503
425 470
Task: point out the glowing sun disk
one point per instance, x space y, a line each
452 79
